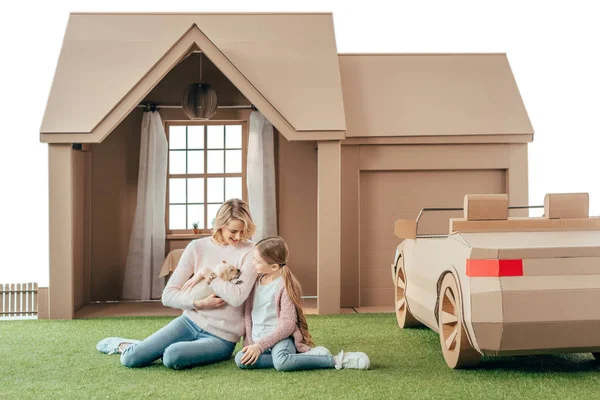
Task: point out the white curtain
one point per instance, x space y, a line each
261 176
147 241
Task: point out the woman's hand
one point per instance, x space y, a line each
191 282
211 301
251 354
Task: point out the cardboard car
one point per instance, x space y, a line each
503 286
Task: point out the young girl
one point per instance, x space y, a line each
208 329
276 330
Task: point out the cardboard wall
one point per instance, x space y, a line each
350 265
329 194
381 183
114 174
388 195
297 208
61 222
114 190
170 89
456 168
81 226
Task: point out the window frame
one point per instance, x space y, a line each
205 175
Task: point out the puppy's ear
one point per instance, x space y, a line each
224 274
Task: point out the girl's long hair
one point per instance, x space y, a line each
274 250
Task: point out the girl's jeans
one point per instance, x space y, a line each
181 344
283 357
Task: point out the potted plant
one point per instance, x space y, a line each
195 226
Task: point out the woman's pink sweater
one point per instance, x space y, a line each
226 322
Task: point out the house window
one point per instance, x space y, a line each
206 167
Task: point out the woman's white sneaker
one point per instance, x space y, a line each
111 345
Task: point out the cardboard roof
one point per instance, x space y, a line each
285 64
431 95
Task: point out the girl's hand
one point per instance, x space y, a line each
251 354
212 301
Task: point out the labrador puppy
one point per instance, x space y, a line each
198 286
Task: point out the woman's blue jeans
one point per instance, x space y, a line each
181 344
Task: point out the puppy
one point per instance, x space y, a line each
224 270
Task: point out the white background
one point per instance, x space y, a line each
552 48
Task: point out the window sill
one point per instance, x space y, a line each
185 236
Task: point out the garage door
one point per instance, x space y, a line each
388 195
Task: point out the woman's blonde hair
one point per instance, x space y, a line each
233 209
274 250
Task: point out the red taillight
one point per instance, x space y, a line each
477 268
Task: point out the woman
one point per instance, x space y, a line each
208 329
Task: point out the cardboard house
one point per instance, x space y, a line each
360 141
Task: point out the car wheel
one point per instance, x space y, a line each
456 348
596 356
403 315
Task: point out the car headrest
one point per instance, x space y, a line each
566 205
485 207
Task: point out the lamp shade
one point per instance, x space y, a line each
199 101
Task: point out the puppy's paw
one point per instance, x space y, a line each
211 277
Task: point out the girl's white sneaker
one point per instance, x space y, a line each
318 351
352 360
